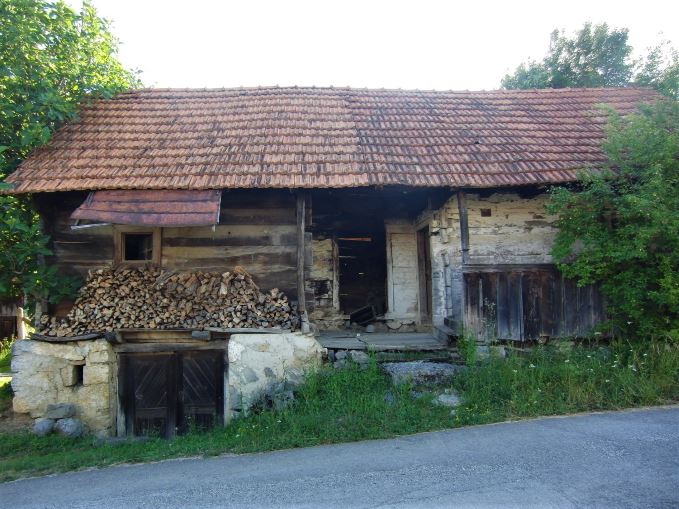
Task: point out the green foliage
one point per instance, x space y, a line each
6 354
466 347
620 229
597 56
552 380
23 245
52 59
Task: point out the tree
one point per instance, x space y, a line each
597 56
620 228
52 59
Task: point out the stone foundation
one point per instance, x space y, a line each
83 373
265 364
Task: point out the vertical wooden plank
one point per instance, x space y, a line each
570 308
126 378
301 220
219 388
515 305
488 299
503 321
530 292
551 319
464 226
174 381
472 309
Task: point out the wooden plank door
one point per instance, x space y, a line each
173 392
202 399
149 388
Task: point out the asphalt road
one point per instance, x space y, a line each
616 459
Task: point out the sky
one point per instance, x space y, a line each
417 44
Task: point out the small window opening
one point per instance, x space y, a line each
138 246
79 374
486 213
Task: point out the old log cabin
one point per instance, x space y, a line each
408 208
387 211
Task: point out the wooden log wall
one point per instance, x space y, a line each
75 251
257 230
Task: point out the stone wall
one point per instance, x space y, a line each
83 373
263 365
259 365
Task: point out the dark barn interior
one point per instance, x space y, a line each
356 218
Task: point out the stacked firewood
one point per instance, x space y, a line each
149 298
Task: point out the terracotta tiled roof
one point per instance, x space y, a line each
326 137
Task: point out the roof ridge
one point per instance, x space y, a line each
333 88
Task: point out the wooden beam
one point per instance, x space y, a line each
170 347
464 226
301 221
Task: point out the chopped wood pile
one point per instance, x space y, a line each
150 298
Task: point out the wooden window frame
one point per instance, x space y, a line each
119 245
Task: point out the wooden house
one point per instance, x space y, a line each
403 210
407 207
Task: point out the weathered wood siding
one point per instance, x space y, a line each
75 251
515 303
510 271
517 231
256 231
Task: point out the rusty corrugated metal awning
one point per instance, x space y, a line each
152 208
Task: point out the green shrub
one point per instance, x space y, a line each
620 229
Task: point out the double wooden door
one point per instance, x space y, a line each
173 392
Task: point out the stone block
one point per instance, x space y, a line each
451 400
72 428
96 374
43 427
69 375
421 372
60 411
261 363
101 356
359 357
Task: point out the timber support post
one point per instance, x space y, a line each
464 226
301 226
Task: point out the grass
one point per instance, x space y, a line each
352 404
550 381
5 355
5 393
5 387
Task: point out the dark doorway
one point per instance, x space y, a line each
424 275
170 393
355 219
362 270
